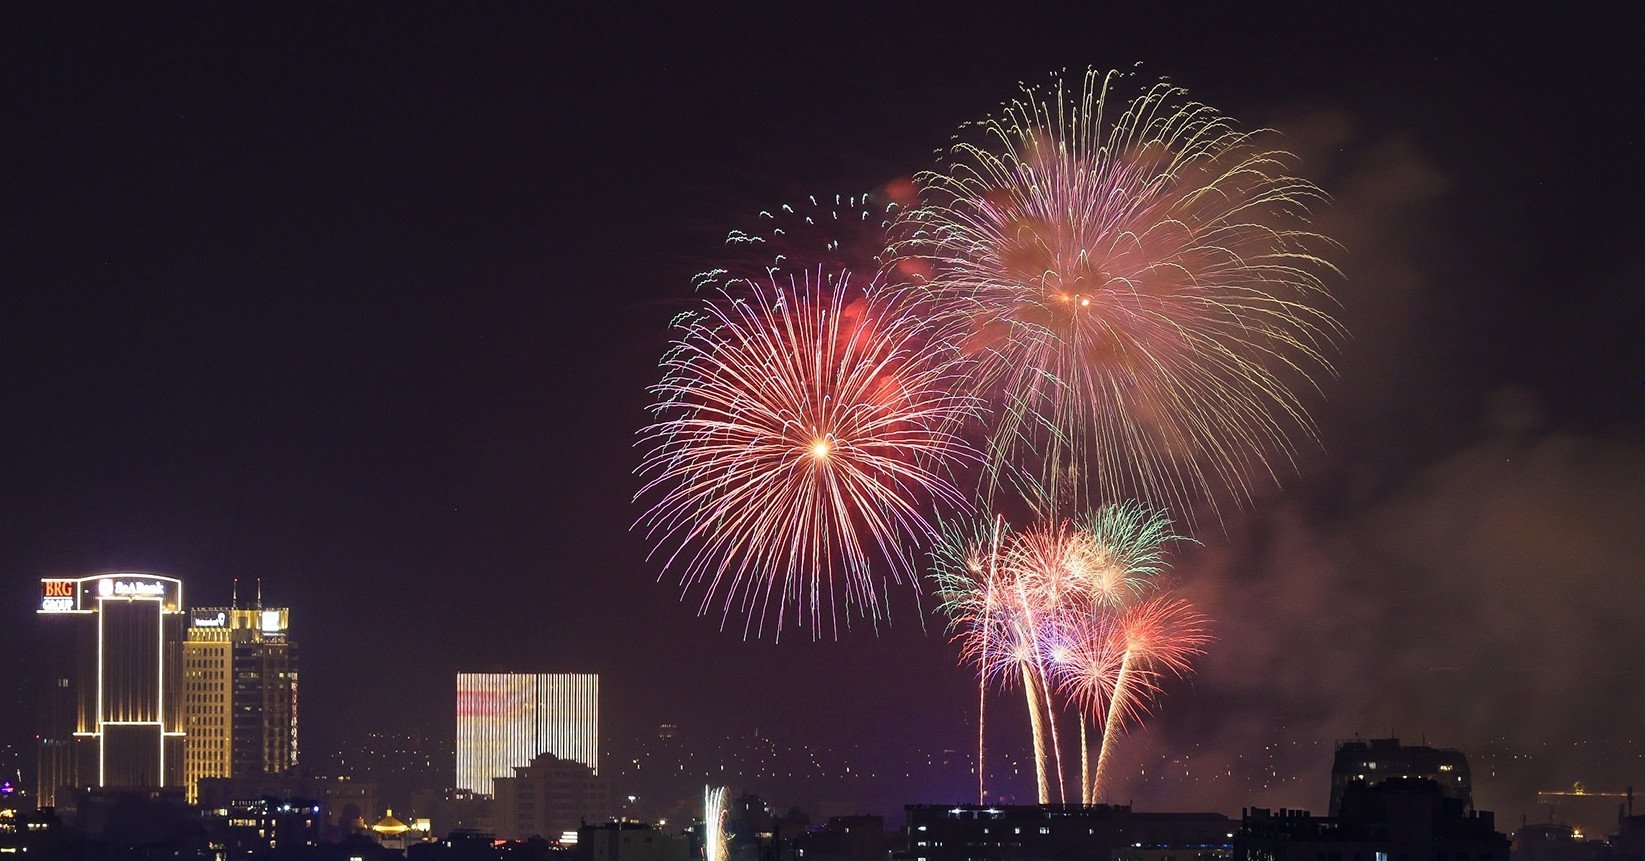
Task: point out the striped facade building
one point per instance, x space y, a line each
505 720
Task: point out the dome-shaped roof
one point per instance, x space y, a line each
389 825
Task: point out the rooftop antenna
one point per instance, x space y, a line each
234 594
259 593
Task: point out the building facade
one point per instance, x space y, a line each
1380 759
240 693
632 841
505 720
110 708
549 797
1058 832
1398 819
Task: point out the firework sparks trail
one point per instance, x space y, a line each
969 583
716 843
1137 281
1158 636
1079 614
802 432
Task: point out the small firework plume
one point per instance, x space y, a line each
841 231
1076 611
716 843
1152 638
1137 281
804 431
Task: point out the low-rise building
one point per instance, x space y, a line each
1058 832
631 841
1400 819
549 798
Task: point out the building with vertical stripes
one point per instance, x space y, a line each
110 712
505 720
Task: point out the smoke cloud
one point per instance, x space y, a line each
1485 598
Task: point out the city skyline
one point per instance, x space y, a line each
365 305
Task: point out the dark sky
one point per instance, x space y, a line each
363 300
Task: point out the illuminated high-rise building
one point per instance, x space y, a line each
110 713
240 693
505 720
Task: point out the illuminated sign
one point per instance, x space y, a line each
56 596
216 620
80 595
111 588
271 622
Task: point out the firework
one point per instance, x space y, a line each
1157 636
840 231
716 843
1137 282
1078 613
803 433
967 577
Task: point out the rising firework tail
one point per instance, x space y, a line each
1155 637
1078 612
716 842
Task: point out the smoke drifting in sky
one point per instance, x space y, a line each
1485 598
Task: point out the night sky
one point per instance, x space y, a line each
363 301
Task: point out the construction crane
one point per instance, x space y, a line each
1577 790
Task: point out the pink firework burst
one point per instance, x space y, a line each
802 434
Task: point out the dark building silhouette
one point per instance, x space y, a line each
846 838
1628 843
969 832
1379 759
631 841
1397 819
346 806
451 810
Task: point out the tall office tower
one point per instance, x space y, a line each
505 720
240 693
109 711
